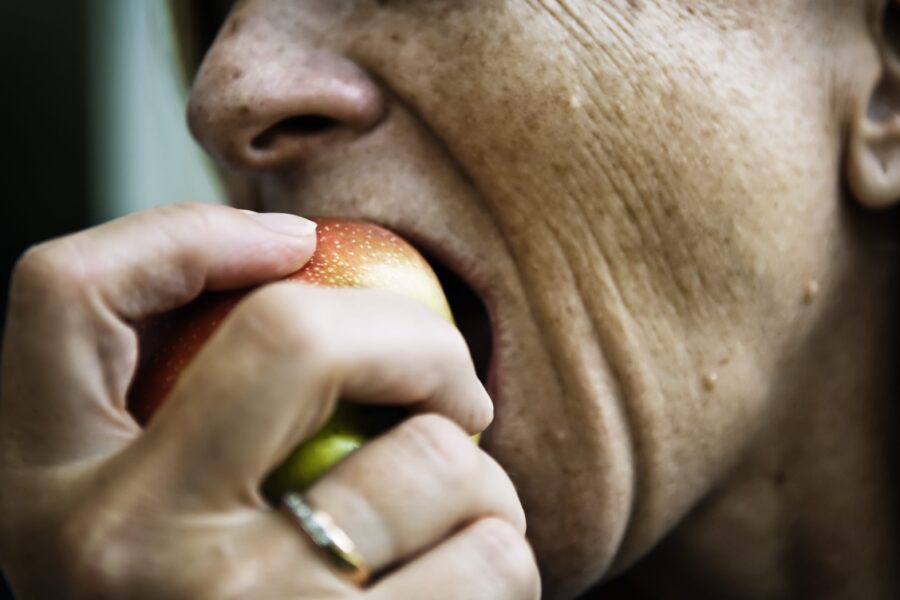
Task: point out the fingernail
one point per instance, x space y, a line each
286 223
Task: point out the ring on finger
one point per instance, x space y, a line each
330 539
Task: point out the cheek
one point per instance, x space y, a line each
676 154
671 170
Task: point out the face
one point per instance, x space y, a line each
620 182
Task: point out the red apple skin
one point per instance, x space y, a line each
348 254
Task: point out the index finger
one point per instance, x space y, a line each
69 351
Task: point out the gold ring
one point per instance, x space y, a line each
334 543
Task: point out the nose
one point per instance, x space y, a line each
260 103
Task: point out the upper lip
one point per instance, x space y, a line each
443 252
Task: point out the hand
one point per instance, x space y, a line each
91 506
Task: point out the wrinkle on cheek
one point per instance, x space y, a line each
604 95
651 155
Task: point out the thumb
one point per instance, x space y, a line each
70 350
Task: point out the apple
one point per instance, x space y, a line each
348 254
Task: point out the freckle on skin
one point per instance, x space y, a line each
710 379
811 291
234 27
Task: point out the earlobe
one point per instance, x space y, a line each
873 145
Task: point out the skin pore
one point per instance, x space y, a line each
693 316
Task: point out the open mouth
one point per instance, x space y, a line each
471 315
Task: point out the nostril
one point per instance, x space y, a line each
306 124
294 127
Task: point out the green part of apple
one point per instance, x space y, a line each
351 426
309 461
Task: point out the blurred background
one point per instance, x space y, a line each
94 109
93 120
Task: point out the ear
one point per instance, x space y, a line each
873 151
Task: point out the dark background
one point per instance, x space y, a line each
44 108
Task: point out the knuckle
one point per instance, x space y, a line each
193 214
223 572
183 220
443 446
278 319
502 551
510 506
54 267
97 561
